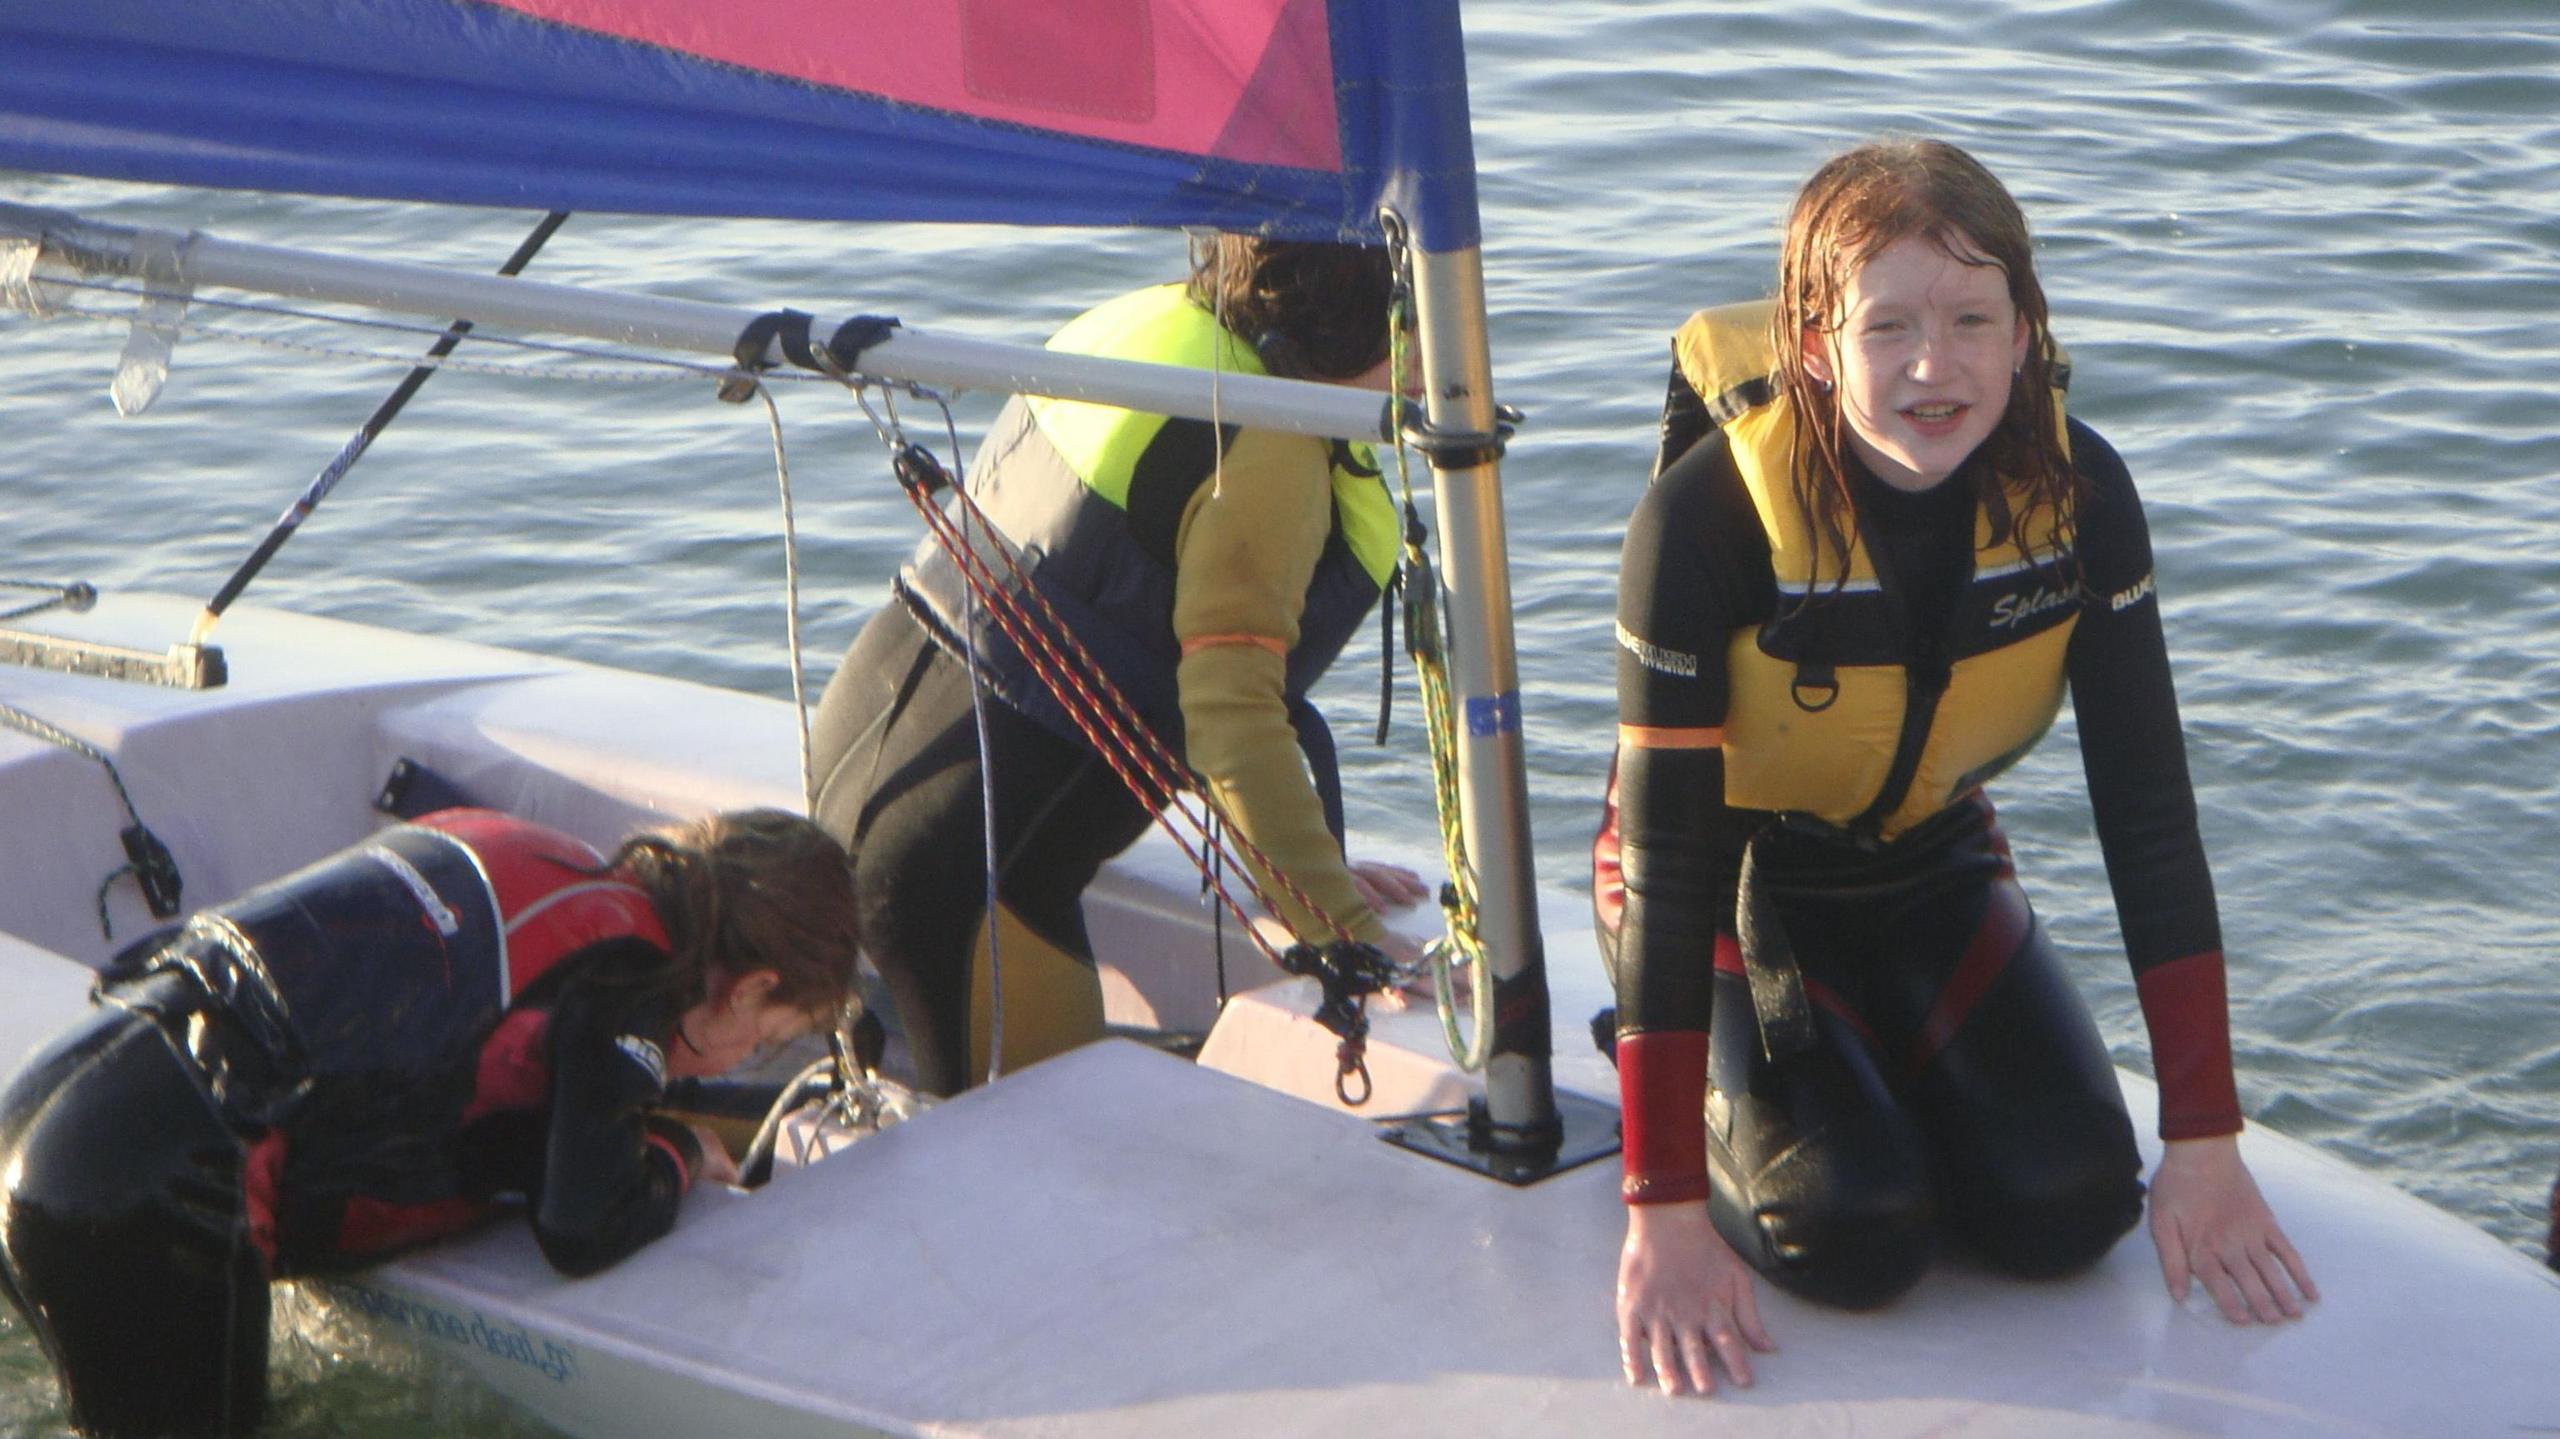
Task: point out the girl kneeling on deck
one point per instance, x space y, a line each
1874 555
373 1052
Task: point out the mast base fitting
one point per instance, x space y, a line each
1584 1130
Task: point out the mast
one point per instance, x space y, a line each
1457 371
1520 1132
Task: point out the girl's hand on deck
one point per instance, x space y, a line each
1385 887
1685 1302
2209 1222
717 1166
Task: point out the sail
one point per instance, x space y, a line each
1290 117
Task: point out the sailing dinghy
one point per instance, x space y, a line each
1118 1241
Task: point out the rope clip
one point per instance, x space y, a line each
1346 972
917 470
154 871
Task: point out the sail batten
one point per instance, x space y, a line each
1287 117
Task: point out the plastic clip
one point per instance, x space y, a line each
154 869
1455 449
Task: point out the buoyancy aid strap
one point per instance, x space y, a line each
1926 673
1723 352
1366 512
1769 966
1641 736
1324 765
1923 686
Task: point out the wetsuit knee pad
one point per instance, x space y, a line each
126 1237
2039 1174
1816 1175
2062 1222
1842 1218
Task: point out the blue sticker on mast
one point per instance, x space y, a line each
1497 714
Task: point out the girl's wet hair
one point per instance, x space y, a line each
1312 311
749 890
1855 207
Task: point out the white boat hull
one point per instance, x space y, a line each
1120 1243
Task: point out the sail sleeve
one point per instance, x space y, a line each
1290 117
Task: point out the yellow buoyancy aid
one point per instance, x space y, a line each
1823 697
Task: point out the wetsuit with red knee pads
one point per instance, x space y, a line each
381 1049
1915 1065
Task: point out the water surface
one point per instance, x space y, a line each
2303 252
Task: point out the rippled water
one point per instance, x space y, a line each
2303 252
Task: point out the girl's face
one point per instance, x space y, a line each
1922 359
737 1022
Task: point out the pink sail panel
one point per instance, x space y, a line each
1249 81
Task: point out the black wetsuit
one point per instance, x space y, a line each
330 1072
901 777
1957 1081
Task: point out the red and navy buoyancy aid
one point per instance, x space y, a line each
375 990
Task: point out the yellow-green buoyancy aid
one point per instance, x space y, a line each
1161 325
1061 480
1822 695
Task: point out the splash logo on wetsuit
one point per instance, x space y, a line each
1655 657
2126 599
418 887
645 1054
2011 611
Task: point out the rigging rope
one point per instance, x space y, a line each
1462 943
154 869
1346 967
76 596
357 444
791 602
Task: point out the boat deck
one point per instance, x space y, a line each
1121 1243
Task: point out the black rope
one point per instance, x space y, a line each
1409 588
153 868
1387 601
362 440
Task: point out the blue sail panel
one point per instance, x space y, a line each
1290 117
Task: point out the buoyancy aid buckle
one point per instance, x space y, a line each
1816 686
